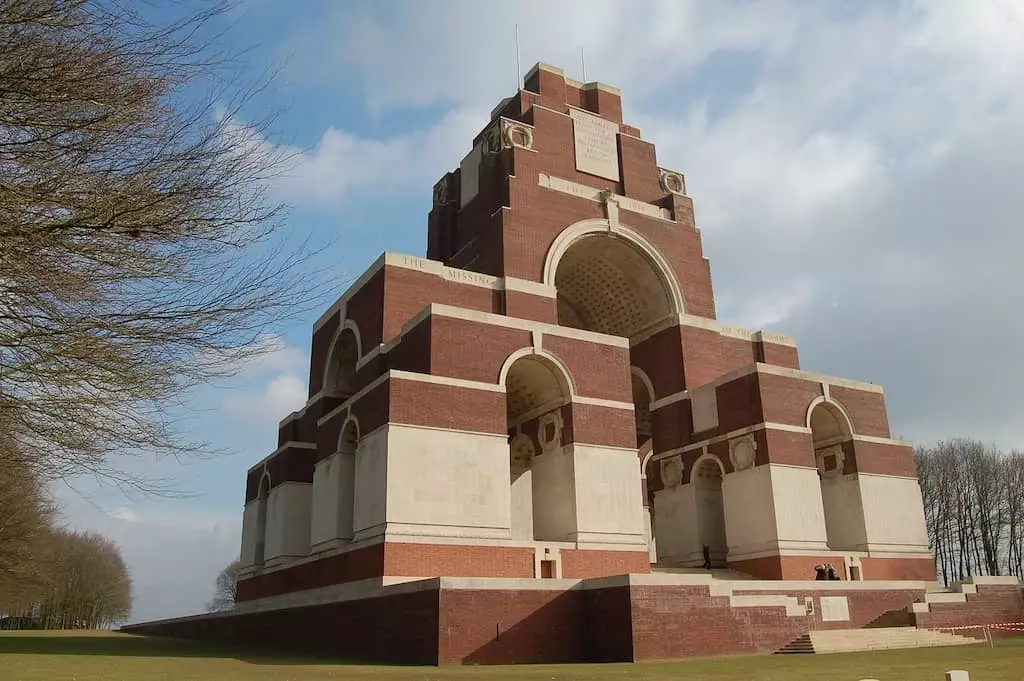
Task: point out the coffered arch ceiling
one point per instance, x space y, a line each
532 382
828 423
606 285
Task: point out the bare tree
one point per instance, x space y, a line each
224 591
1012 479
141 252
80 582
88 586
26 514
974 508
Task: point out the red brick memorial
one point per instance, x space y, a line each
529 445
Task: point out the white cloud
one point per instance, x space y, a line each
123 513
276 355
278 398
270 385
342 163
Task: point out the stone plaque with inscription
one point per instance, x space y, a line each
596 144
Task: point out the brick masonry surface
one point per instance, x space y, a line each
400 559
802 567
489 626
992 604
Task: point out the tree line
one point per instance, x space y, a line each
52 577
974 508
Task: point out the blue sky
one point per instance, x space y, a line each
854 168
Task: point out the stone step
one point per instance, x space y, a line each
852 640
700 573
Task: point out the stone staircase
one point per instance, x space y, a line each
893 619
854 640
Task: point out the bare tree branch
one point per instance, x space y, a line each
141 252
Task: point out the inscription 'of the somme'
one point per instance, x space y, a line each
596 145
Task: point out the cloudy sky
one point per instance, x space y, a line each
854 167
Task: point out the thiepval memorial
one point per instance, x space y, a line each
539 442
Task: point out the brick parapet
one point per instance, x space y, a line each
991 604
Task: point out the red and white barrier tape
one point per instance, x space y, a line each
1008 626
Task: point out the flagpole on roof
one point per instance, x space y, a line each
519 68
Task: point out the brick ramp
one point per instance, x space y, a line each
859 640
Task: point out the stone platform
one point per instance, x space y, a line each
613 619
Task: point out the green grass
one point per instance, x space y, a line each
109 656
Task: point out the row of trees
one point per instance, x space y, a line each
974 508
51 577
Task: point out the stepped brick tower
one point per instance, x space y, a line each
551 383
518 448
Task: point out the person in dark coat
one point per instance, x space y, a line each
831 571
707 557
819 573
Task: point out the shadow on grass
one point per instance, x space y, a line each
117 644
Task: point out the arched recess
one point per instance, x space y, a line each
348 443
569 238
537 388
612 283
830 431
643 395
342 358
706 478
262 497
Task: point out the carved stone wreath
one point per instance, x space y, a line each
743 452
517 135
492 139
671 181
549 432
672 472
441 192
521 453
830 461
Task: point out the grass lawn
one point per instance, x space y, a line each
109 656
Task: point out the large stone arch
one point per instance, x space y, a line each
343 357
643 397
565 376
837 409
610 279
262 501
706 477
538 387
831 437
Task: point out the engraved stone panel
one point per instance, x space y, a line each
593 194
704 406
835 609
470 167
596 144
